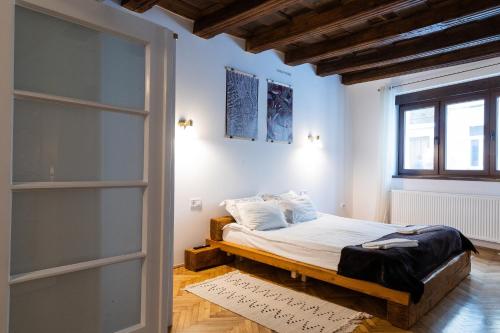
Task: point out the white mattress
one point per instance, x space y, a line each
318 242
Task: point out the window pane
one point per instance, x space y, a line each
61 58
101 300
498 133
465 135
419 139
61 227
56 142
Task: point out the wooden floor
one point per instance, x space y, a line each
474 306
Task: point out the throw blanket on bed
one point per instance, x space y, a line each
404 268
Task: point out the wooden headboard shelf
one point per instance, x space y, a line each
216 226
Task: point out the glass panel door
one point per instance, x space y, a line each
86 175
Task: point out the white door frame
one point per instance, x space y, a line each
161 124
6 105
167 232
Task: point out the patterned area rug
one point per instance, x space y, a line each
276 307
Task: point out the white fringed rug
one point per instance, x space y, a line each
276 307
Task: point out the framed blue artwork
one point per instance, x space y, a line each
242 109
279 112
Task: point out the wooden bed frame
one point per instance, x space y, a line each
401 312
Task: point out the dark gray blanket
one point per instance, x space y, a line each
404 268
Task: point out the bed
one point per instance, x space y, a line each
308 250
310 242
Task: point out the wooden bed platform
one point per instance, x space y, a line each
401 312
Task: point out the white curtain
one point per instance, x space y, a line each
387 152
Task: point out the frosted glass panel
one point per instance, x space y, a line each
419 139
465 135
100 300
53 228
57 57
56 142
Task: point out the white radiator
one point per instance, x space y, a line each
477 217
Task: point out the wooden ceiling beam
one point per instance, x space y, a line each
237 14
459 37
314 24
139 6
181 8
437 18
458 57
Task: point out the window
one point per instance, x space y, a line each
464 131
451 131
497 167
474 154
420 153
419 131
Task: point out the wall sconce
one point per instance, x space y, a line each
313 138
185 123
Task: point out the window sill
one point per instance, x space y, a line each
475 179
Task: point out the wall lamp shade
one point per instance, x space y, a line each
185 123
313 138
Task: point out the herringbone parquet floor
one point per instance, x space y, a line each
473 307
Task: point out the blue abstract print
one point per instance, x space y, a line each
279 113
241 105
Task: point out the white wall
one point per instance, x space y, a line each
364 112
214 168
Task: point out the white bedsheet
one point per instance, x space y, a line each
318 242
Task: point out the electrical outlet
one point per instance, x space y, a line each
303 192
195 203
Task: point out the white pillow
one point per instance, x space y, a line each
290 195
231 205
299 209
296 207
261 215
276 197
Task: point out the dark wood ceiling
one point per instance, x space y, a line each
361 40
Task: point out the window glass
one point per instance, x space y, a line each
465 135
419 139
498 132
